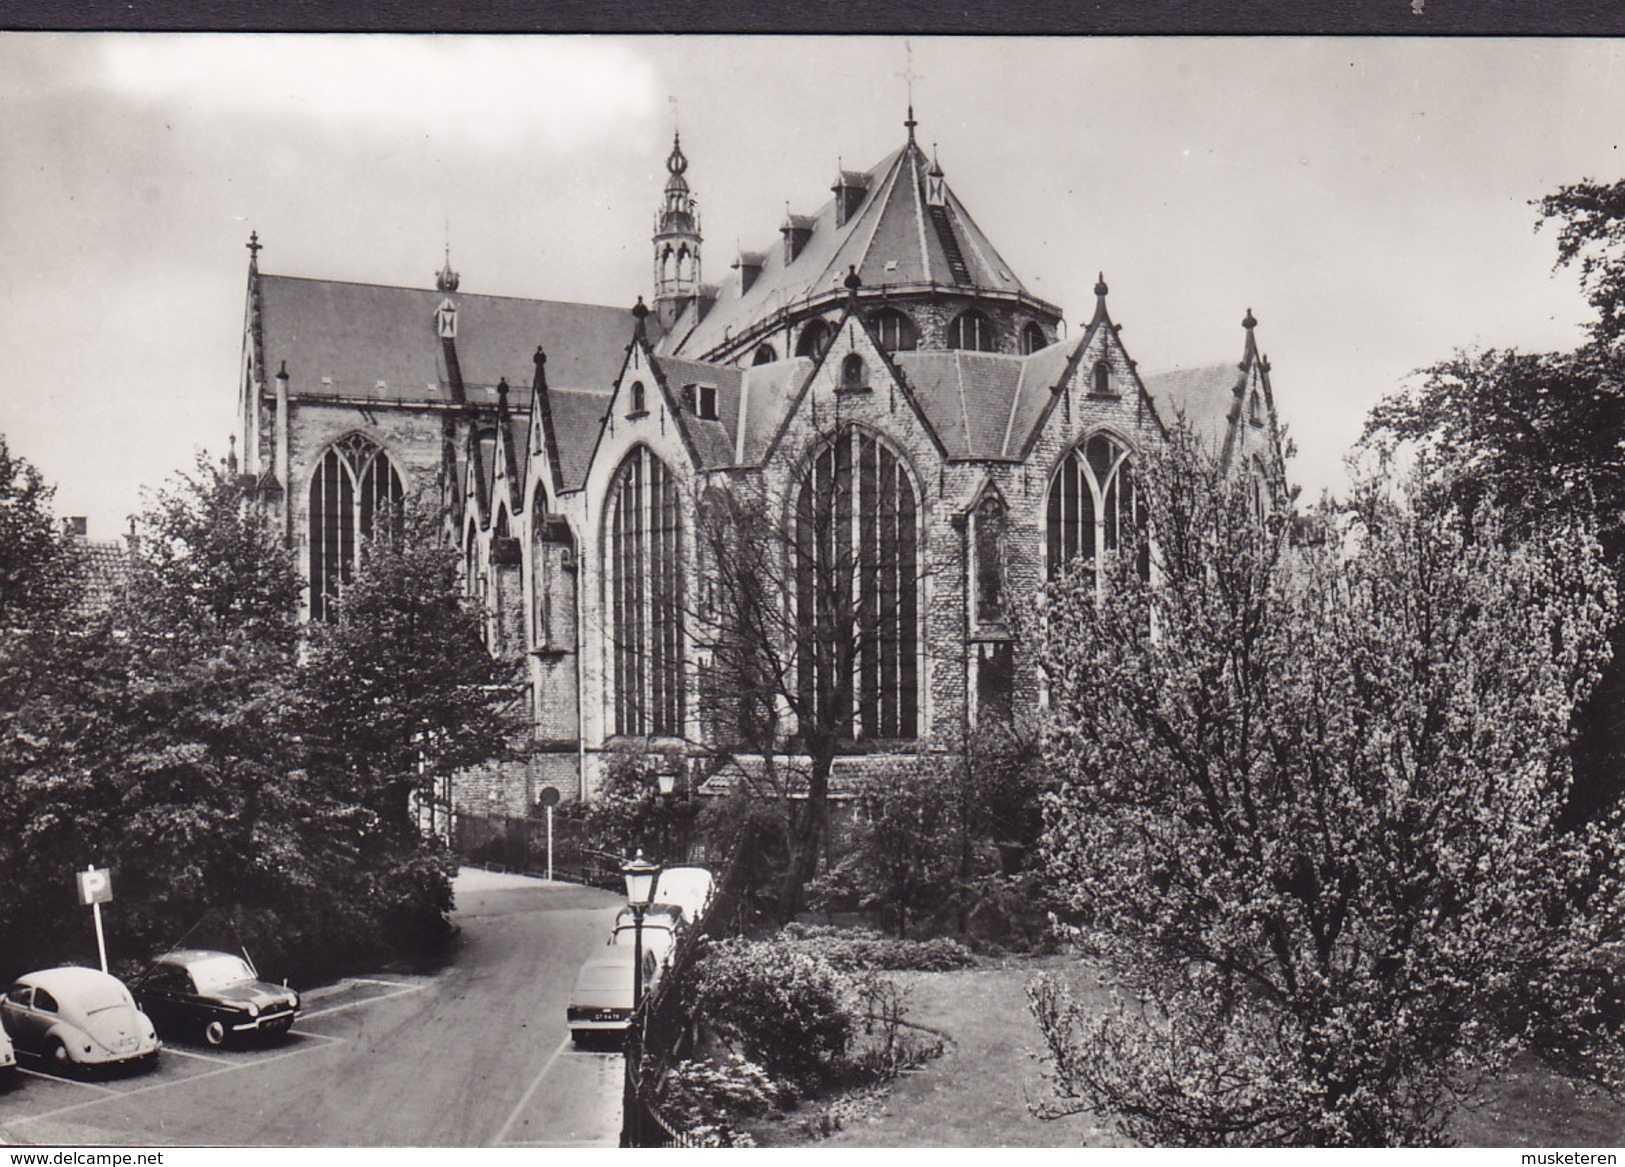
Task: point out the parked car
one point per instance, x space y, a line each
656 914
8 1056
214 996
73 1016
601 1001
691 888
657 938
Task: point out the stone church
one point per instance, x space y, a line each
880 351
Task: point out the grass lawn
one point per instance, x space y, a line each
979 1093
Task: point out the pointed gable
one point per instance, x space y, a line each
893 238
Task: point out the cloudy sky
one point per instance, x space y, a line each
1367 198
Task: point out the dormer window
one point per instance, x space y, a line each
638 406
708 402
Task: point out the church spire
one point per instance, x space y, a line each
676 239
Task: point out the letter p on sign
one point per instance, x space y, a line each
95 886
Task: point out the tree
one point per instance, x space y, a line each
1537 435
35 572
398 690
1307 811
791 619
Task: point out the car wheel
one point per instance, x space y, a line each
214 1033
58 1057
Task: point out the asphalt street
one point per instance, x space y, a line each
475 1055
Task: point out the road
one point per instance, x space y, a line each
475 1055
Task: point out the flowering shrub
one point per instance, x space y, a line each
706 1098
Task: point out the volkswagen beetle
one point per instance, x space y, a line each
74 1016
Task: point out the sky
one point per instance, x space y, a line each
1368 198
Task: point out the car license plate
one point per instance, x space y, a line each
608 1015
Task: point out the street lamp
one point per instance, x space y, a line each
640 877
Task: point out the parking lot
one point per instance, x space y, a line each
475 1055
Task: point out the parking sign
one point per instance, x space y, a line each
95 886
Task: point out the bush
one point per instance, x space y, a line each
779 1006
851 949
706 1099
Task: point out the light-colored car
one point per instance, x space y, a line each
73 1016
216 996
8 1056
656 914
657 938
601 1001
691 888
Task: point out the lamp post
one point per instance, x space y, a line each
666 783
640 877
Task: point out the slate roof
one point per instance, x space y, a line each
713 438
891 238
578 415
360 334
1205 397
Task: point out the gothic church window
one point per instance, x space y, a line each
1032 338
638 405
646 597
971 330
853 373
354 487
894 331
990 560
1093 507
1100 378
857 601
765 355
814 338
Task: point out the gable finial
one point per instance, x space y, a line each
254 248
1248 322
909 77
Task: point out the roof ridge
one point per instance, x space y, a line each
433 292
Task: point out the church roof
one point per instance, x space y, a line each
345 339
578 416
893 239
1204 397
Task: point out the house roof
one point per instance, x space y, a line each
102 569
373 342
893 239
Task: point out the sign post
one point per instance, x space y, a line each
96 889
550 799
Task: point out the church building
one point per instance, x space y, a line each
880 352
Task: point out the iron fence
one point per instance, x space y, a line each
524 845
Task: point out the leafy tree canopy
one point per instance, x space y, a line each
1308 812
35 572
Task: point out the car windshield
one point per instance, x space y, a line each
216 972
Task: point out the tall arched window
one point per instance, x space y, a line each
857 585
971 330
1032 338
813 339
894 331
353 487
990 559
1093 506
553 578
646 596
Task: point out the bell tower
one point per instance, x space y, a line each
676 241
